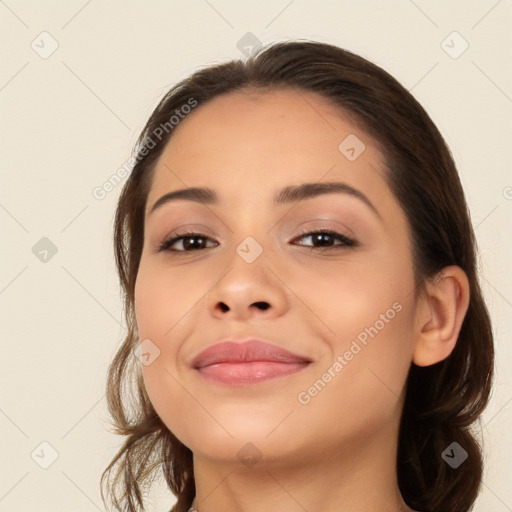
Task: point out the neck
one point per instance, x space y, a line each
349 479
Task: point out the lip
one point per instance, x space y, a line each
244 362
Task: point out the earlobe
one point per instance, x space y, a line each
440 315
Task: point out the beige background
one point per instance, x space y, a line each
68 122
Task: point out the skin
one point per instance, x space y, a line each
338 451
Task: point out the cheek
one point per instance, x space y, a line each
357 391
366 316
162 298
356 299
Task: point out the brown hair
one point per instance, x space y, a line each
443 400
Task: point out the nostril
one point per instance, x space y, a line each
262 305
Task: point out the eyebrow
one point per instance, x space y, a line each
293 193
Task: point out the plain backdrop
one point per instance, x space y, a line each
78 79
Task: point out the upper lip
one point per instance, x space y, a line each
245 351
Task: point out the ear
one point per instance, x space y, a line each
440 314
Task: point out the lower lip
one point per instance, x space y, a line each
253 372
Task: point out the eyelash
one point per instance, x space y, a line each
346 241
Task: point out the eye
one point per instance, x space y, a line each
324 238
189 242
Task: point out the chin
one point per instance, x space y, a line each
238 440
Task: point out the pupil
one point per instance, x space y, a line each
322 238
189 244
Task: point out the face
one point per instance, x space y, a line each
327 276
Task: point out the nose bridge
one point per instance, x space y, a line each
254 239
248 259
250 230
250 224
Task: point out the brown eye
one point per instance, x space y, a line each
324 238
188 241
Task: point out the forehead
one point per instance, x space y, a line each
249 144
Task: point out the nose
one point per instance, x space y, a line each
261 305
248 290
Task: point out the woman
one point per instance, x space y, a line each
306 326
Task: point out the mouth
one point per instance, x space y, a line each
246 363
